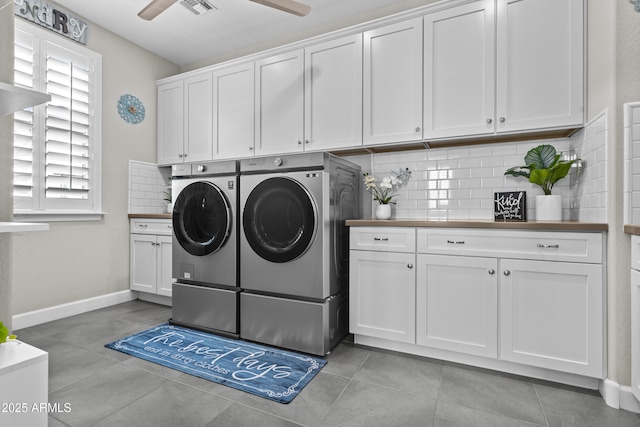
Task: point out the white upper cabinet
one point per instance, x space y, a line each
170 123
540 63
393 83
333 94
185 120
459 71
279 103
198 99
452 70
233 111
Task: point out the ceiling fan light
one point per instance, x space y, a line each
197 6
289 6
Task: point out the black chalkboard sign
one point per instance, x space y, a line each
510 206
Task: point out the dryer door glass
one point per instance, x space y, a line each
201 218
279 219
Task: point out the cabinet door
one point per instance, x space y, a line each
540 64
635 333
551 315
170 123
459 71
457 304
279 108
333 94
198 117
382 295
393 83
143 274
233 111
164 265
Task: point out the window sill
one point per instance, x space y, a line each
26 216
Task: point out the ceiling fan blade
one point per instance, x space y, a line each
155 8
289 6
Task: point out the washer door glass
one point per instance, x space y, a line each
201 218
279 219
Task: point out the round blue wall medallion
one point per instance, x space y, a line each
130 109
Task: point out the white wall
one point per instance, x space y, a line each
6 164
78 260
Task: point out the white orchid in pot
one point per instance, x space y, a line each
544 168
382 191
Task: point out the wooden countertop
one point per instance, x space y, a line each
528 225
151 216
632 229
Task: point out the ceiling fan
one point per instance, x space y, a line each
156 7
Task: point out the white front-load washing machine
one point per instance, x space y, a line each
205 247
294 249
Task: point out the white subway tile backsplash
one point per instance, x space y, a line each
147 184
459 183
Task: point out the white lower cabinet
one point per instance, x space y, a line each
150 257
551 315
635 316
457 304
533 304
382 284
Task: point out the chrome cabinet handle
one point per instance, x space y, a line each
299 142
250 148
180 155
143 225
306 141
540 245
502 120
409 265
507 273
456 242
418 129
489 121
381 239
491 271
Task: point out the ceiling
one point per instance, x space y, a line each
237 28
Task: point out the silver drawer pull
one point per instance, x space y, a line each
540 245
456 242
143 225
381 239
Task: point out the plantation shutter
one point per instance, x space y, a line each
67 119
55 145
23 126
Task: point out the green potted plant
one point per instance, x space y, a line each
4 334
544 168
167 198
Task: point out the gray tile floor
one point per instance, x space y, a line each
358 387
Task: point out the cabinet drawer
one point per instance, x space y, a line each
635 252
151 226
547 246
387 239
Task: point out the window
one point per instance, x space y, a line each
57 146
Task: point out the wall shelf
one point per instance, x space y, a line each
13 98
18 227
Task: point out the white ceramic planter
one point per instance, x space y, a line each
549 208
383 211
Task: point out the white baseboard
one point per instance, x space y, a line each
61 311
619 396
